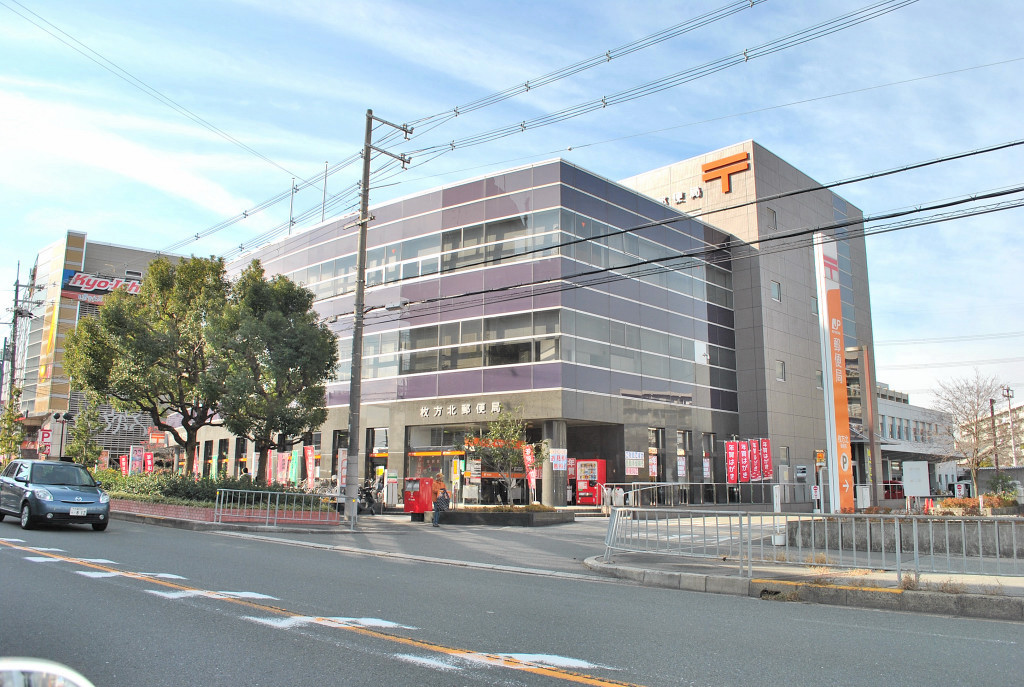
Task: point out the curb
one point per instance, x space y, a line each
984 606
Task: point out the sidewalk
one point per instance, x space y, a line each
578 549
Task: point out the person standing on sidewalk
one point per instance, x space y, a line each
439 493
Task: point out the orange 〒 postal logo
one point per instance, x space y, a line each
724 168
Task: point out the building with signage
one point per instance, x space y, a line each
773 210
642 323
68 282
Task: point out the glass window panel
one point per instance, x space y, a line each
592 353
374 277
624 359
449 334
508 326
421 247
375 257
462 357
410 270
505 229
429 266
546 350
418 361
418 337
654 365
632 336
617 333
682 371
590 327
473 236
508 353
392 273
545 322
472 330
631 244
654 342
545 221
389 342
452 239
371 344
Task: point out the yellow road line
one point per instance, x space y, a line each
489 659
791 583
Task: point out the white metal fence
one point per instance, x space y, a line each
275 508
683 494
903 543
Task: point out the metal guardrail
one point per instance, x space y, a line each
683 494
903 543
275 507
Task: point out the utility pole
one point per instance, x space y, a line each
14 335
992 415
1008 395
356 377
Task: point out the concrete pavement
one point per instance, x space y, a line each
577 549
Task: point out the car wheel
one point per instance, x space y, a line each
99 526
26 517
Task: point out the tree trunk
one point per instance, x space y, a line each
261 471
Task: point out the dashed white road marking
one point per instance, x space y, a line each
103 561
42 559
97 573
298 621
427 662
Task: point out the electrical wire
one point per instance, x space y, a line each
806 35
722 253
92 55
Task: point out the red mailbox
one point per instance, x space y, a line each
417 496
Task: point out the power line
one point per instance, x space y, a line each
711 253
949 339
132 80
595 61
952 363
806 35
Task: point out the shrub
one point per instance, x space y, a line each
179 488
877 510
1000 500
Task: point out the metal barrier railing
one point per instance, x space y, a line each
682 494
903 543
275 507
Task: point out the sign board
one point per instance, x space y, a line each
961 490
559 459
767 468
915 478
815 492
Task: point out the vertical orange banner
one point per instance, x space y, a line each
840 400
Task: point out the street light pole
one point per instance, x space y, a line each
992 416
1008 395
63 420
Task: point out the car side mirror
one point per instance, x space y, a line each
23 480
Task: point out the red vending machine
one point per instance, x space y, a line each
590 481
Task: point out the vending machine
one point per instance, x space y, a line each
590 479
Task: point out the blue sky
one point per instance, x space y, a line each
82 149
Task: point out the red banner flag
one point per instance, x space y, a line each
755 460
731 463
766 458
744 461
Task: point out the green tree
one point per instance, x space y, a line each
12 429
500 449
82 445
147 352
273 358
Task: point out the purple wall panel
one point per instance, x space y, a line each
513 378
460 383
419 386
547 376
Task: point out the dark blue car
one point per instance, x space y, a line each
52 492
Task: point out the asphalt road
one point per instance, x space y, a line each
143 605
